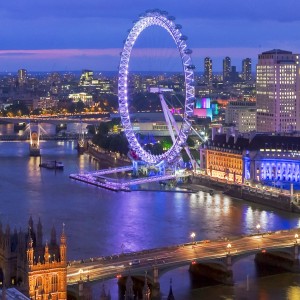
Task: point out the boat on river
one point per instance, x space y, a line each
52 164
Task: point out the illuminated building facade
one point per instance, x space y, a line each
208 70
277 85
223 157
37 270
242 114
273 160
247 69
202 108
47 266
86 98
47 102
22 76
86 78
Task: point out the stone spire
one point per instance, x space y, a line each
31 232
171 296
146 290
129 289
39 234
30 223
7 241
53 236
63 246
46 255
30 251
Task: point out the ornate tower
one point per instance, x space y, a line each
47 268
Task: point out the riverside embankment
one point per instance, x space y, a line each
107 158
276 199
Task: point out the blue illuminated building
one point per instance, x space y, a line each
273 160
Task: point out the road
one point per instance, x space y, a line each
176 256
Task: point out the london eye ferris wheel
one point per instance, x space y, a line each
161 19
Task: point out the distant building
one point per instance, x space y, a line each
22 76
234 74
202 108
226 69
47 102
208 70
86 78
278 88
242 114
247 69
87 99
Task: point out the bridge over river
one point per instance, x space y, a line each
213 259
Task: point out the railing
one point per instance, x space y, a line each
177 255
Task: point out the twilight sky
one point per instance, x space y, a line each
65 35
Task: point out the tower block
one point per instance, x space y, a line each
47 268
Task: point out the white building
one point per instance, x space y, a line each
277 86
84 97
242 114
247 120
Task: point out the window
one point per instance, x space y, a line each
54 283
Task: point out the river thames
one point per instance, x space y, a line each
101 222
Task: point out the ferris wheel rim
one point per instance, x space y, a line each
161 19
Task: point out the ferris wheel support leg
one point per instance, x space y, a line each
135 169
167 117
174 124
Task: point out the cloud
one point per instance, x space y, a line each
120 9
143 59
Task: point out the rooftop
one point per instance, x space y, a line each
277 51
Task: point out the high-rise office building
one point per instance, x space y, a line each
86 78
208 70
277 89
246 69
22 76
226 69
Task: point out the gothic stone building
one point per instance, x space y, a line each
37 270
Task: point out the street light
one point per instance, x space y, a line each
193 234
296 238
258 228
228 248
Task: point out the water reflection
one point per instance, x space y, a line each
98 221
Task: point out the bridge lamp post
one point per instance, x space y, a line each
228 248
193 234
258 228
296 238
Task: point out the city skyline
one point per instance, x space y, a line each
53 36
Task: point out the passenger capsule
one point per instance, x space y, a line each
171 18
183 38
191 67
188 51
178 26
